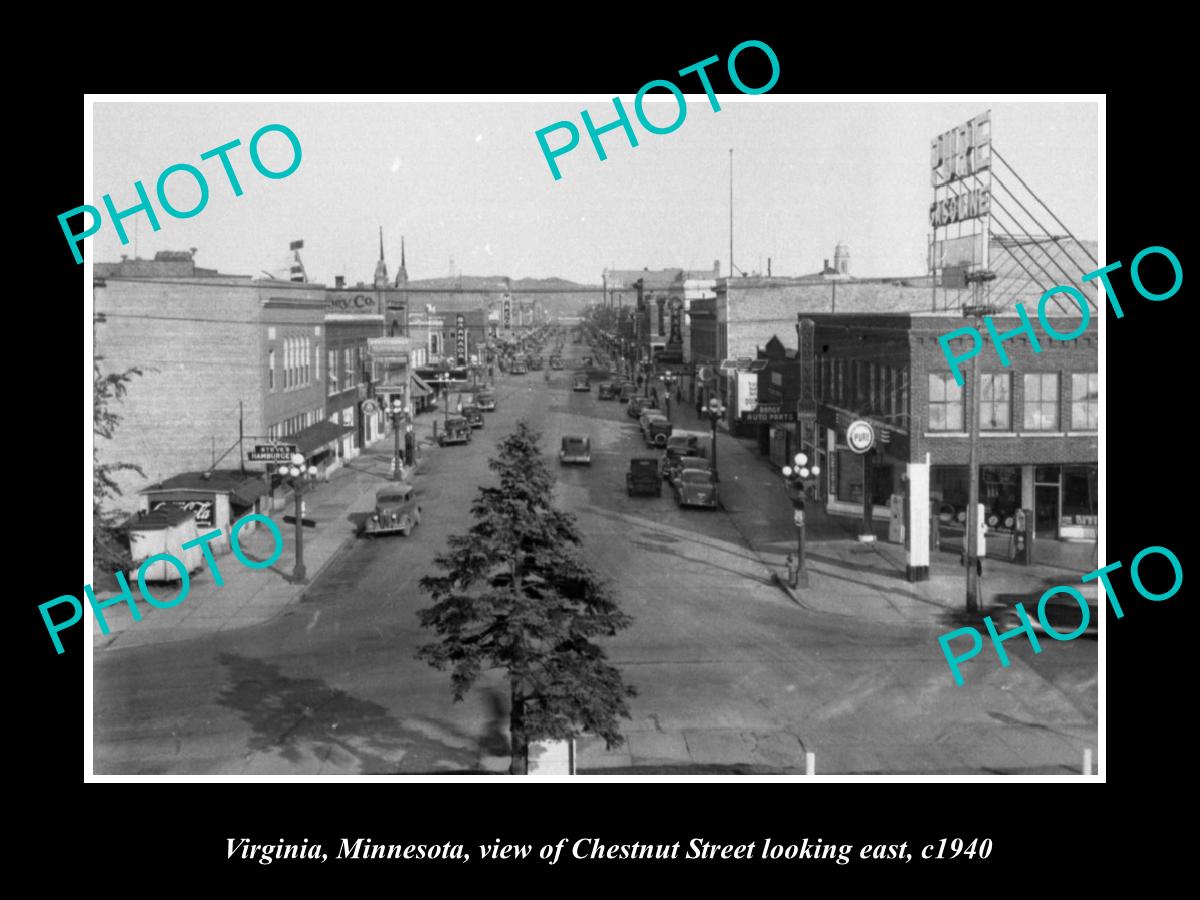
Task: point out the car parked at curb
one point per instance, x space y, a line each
456 430
474 416
581 383
695 487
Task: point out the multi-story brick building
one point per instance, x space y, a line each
1038 422
352 318
223 358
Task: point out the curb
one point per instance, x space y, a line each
790 591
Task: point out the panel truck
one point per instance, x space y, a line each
643 477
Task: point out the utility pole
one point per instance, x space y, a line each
973 492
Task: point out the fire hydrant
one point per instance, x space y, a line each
793 570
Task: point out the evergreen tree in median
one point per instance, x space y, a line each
518 596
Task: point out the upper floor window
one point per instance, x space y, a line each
995 403
1041 401
1085 401
945 402
270 370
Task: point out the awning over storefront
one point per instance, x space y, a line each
419 387
317 437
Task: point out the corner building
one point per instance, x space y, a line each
1038 422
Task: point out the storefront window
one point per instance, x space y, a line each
945 403
948 489
1000 494
1085 401
1079 495
850 479
1041 401
995 407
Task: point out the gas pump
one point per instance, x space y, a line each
1022 538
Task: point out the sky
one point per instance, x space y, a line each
468 187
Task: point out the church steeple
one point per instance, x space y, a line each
381 276
402 275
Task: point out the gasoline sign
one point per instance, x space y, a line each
860 436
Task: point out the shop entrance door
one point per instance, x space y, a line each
1045 511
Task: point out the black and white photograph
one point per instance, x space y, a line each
677 435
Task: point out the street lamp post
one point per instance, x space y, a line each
299 476
796 477
668 379
715 411
399 417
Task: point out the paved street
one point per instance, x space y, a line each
732 674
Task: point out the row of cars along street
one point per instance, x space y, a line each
396 508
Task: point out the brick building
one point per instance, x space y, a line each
1039 420
223 357
352 318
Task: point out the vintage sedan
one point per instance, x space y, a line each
627 390
656 429
687 462
456 430
581 383
396 510
639 405
695 487
486 400
474 415
682 444
517 367
576 448
607 391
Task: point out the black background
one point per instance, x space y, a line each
163 829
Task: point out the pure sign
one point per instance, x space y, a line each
860 436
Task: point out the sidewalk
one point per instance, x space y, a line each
251 596
863 580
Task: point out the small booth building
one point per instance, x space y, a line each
215 499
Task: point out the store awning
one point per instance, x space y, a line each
419 387
317 437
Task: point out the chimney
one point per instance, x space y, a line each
825 268
717 268
339 281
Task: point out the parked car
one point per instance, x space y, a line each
576 448
686 462
396 510
642 477
607 391
556 363
639 405
486 400
656 429
474 416
695 487
679 445
581 383
627 390
535 364
456 430
517 367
